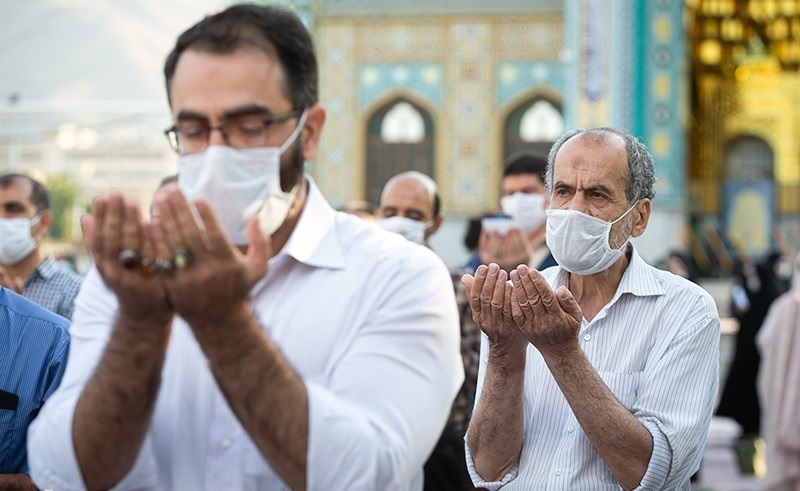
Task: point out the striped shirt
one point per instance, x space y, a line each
34 344
53 287
655 345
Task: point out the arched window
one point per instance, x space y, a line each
749 158
533 125
399 138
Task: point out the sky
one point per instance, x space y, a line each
72 51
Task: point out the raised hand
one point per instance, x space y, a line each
549 320
212 278
490 297
122 250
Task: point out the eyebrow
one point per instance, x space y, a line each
247 110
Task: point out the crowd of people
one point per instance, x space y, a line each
246 335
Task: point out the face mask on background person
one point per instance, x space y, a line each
527 210
412 230
579 242
240 182
16 241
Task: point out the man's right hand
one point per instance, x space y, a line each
489 296
12 283
115 225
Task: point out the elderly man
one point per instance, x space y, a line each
600 373
277 344
410 205
25 218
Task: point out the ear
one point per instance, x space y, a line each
641 217
315 120
44 224
437 222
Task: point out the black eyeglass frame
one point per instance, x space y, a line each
173 132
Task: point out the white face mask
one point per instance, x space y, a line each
527 210
579 242
16 242
240 182
412 230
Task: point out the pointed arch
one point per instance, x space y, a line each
400 135
532 122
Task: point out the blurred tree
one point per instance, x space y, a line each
62 199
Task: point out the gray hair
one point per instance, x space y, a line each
641 171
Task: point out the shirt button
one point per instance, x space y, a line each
558 472
225 443
570 429
587 337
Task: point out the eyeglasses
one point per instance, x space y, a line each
248 130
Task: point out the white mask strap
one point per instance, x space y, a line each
300 123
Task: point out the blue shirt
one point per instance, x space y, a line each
34 345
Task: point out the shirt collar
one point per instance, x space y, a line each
638 279
313 240
47 268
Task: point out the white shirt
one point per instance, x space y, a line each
656 347
367 319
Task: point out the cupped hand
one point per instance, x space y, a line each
490 298
116 225
216 284
549 320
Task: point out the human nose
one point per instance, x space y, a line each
217 136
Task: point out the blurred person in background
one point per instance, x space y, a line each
779 388
360 208
755 286
34 343
25 218
524 199
410 206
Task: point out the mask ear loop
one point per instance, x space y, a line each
297 130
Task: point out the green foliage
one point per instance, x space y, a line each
62 193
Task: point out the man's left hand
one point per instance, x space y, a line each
549 320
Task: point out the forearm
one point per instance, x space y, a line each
622 441
264 392
495 432
16 482
113 412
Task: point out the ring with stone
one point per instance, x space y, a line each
163 267
181 259
129 259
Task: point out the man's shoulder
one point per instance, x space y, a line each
22 307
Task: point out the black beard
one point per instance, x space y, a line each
292 163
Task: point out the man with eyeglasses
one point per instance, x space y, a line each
25 219
249 336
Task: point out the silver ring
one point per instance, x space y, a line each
163 267
129 259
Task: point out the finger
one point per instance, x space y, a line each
162 251
508 305
487 291
568 303
259 250
547 300
520 306
526 292
178 225
477 286
130 226
216 236
498 295
466 282
99 211
111 226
